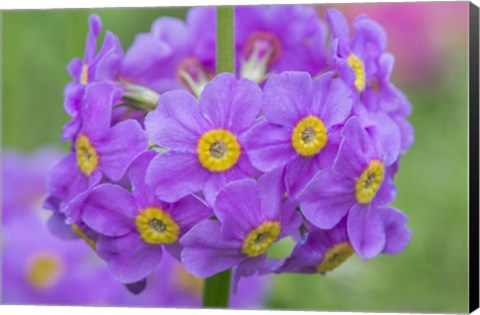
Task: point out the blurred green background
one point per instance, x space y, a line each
429 276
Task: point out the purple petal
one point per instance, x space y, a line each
189 211
70 129
299 171
107 62
206 251
143 193
177 122
356 150
110 210
94 28
65 180
326 157
331 100
387 192
366 230
97 109
238 206
291 219
247 268
407 133
73 96
327 198
386 137
287 97
74 68
396 230
269 146
175 175
369 42
57 226
231 104
272 191
340 30
143 59
119 148
217 181
202 23
129 259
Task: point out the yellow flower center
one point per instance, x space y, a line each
369 182
44 270
87 157
359 70
84 75
309 136
156 226
335 256
259 239
218 150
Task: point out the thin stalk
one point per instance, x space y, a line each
216 290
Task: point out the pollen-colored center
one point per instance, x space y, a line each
87 157
259 239
156 226
309 136
264 45
369 182
357 66
218 150
84 75
44 270
335 256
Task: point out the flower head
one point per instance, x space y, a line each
251 216
98 150
322 251
301 129
356 59
359 181
204 138
133 226
95 67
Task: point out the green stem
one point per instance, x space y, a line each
216 290
225 38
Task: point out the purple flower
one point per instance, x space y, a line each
101 66
356 59
204 138
359 182
301 129
324 250
321 251
175 54
278 38
364 64
251 216
134 225
98 149
38 268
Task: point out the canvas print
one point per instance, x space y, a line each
294 157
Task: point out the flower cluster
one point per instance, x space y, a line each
167 154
